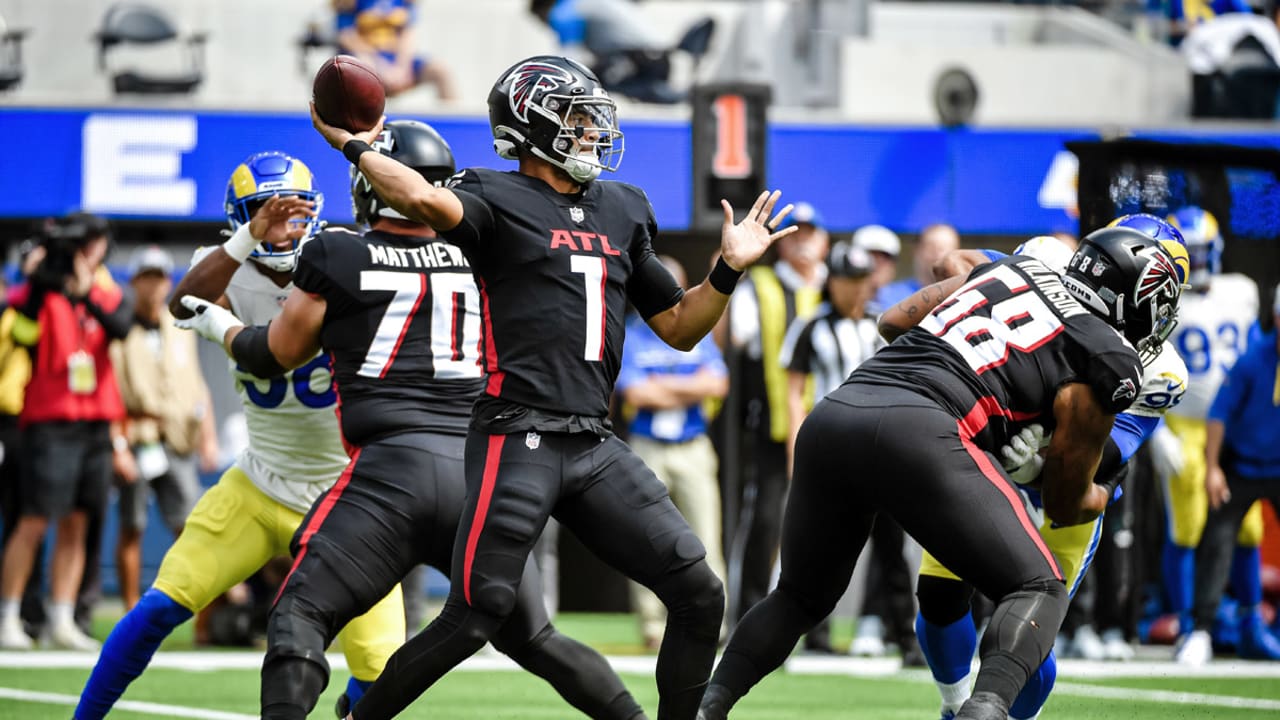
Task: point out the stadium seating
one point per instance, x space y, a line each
140 24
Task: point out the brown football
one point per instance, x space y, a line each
348 94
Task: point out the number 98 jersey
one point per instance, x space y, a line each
1002 345
1212 329
402 323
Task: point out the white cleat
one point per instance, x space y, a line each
869 639
1087 645
1114 646
67 636
12 636
1195 649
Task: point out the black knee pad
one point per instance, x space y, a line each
297 629
693 595
943 600
1039 607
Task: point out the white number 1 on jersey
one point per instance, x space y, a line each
593 277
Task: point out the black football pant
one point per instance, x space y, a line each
754 546
396 506
868 449
597 488
1213 556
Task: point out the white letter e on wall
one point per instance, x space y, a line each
132 164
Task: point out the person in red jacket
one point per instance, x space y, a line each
70 313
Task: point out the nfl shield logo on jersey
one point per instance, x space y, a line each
532 440
577 214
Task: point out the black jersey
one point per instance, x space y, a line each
402 324
1000 346
555 273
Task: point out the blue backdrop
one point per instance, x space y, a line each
172 166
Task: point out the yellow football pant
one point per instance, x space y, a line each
1186 503
232 532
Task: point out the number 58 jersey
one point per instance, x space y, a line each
995 352
295 453
402 323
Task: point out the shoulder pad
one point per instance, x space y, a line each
201 253
1164 382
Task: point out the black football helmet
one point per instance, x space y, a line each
415 144
556 108
1131 280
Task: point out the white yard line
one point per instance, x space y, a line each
1166 696
146 708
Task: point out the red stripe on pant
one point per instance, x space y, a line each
491 459
972 424
322 512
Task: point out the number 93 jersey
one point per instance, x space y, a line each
295 451
555 273
1001 345
1212 330
402 323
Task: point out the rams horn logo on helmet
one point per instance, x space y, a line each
528 79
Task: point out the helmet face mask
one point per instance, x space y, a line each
1132 281
556 109
412 143
255 181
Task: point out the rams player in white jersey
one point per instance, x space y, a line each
295 451
1214 319
944 626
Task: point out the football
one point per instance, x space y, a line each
348 94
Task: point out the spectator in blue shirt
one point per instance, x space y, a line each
1242 457
667 387
933 242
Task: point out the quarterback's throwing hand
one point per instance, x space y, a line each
337 137
743 243
210 320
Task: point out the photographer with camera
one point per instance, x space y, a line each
70 310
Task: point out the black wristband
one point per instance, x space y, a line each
723 278
354 149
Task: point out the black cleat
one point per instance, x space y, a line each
716 702
343 706
983 706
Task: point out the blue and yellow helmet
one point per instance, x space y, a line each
1204 243
1164 233
253 182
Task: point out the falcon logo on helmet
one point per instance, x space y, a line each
528 79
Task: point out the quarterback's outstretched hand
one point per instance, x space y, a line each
743 243
271 223
337 137
210 320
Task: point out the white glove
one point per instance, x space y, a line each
1166 452
1028 472
1023 446
212 321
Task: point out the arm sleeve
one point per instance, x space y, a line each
1130 431
252 352
651 288
477 217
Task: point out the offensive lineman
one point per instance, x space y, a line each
1214 321
557 255
944 623
295 452
1016 344
399 312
